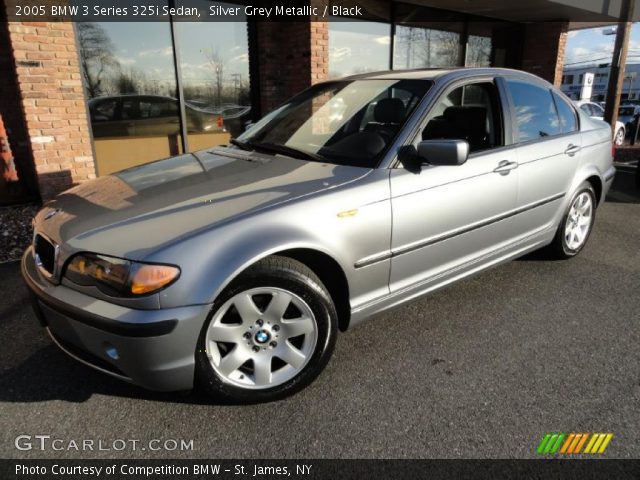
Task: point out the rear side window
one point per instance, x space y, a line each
597 110
586 109
536 114
568 119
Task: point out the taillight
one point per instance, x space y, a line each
220 122
613 151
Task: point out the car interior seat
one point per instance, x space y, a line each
388 115
463 122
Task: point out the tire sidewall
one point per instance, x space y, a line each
585 187
326 321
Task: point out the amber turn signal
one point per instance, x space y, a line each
149 278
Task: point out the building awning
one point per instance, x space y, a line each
577 12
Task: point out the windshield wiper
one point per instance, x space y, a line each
289 151
242 145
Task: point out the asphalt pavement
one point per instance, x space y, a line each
483 368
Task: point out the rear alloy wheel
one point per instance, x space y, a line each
271 333
577 223
619 138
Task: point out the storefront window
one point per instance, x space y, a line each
129 72
214 65
418 47
358 47
130 80
478 51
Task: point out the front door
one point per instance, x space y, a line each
445 217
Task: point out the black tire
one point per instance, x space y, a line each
558 249
295 277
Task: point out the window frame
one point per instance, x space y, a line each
555 95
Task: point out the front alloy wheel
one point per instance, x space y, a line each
261 338
619 138
270 333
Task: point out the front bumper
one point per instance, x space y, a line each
151 348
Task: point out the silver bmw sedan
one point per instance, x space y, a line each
234 268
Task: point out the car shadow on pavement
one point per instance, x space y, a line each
624 188
48 374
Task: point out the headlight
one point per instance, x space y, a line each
119 277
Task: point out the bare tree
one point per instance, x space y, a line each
134 81
478 51
423 47
96 56
216 60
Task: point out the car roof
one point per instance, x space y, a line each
130 95
443 74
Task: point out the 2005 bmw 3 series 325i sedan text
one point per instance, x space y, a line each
234 268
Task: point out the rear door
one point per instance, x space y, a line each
549 147
445 217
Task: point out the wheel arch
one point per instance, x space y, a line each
326 266
332 276
596 183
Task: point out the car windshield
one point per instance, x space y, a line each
626 111
348 122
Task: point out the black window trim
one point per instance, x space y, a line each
556 98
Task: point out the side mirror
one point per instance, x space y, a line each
443 152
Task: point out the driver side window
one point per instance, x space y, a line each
471 113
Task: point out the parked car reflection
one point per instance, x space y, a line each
148 115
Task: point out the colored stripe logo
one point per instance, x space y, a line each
574 443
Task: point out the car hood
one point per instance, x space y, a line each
138 211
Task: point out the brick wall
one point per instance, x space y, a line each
291 56
13 116
51 95
319 44
544 50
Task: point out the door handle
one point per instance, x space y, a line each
572 149
505 166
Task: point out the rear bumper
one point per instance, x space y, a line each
607 181
151 348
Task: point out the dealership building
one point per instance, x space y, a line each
575 82
84 99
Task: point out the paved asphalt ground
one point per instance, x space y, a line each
480 369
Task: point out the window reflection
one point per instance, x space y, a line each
358 47
418 47
214 65
478 51
129 77
536 113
